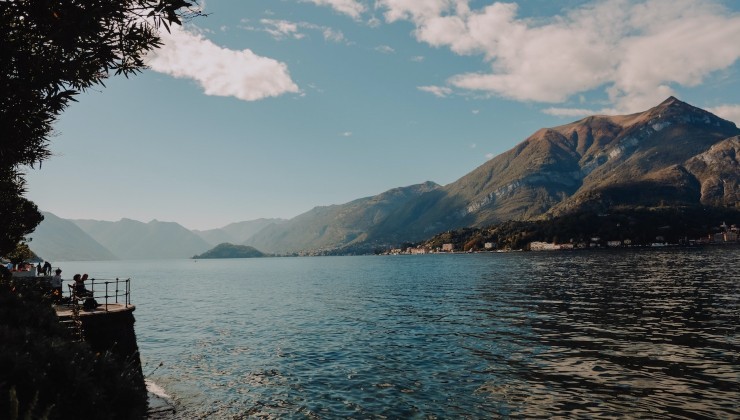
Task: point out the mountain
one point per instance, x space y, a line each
663 156
235 232
715 170
671 156
226 250
130 239
57 239
215 236
337 226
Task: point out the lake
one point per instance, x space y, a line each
590 334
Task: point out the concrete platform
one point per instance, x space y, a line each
65 311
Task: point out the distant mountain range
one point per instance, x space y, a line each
329 227
671 155
133 240
236 233
57 239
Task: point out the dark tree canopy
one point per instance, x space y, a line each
51 50
18 216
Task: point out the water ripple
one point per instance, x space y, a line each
650 334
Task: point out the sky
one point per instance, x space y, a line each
268 108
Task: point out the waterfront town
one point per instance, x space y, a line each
724 234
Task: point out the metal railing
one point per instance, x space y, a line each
114 291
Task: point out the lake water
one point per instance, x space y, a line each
649 333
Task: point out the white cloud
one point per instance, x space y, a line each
635 50
220 71
417 58
385 49
281 29
346 134
439 91
728 112
352 8
373 22
332 34
475 111
568 112
490 156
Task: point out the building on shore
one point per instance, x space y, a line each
543 246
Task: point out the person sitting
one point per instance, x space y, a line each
79 287
56 285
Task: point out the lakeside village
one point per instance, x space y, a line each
726 235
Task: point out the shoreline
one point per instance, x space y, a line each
161 405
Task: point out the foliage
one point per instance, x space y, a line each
227 250
21 253
640 225
45 373
50 51
19 216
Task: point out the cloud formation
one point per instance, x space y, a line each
635 50
281 29
438 91
728 112
220 71
385 49
352 8
569 112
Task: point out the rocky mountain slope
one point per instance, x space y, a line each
656 157
717 171
330 227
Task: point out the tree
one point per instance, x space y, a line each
18 216
50 51
22 253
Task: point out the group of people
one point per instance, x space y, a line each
43 270
79 286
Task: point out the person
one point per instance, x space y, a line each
47 268
79 286
39 270
56 284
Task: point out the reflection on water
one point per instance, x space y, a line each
646 334
624 334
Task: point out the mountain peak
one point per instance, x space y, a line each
674 111
672 100
672 105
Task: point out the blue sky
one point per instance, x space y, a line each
269 108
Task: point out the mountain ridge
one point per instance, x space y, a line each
57 239
130 239
561 169
673 154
